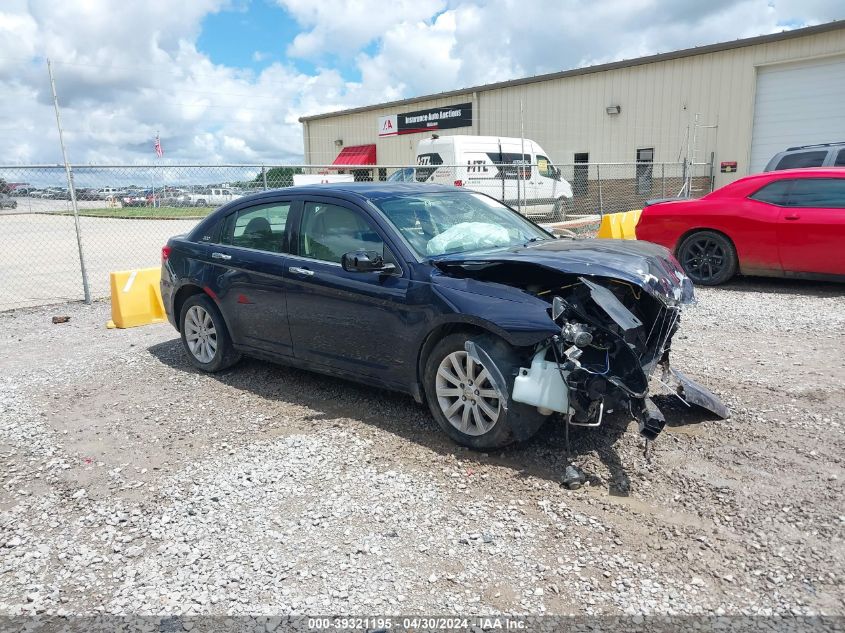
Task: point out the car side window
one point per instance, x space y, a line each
776 192
328 231
260 227
545 167
825 193
840 159
802 159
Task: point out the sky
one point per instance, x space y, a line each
225 81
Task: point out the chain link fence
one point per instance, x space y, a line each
127 213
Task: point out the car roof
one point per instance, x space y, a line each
360 190
801 172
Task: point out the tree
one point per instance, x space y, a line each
4 187
278 177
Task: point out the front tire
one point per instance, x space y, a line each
562 208
205 336
464 402
709 258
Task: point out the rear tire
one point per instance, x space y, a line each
205 336
562 208
470 422
708 257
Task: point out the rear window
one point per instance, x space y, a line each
802 159
774 193
826 193
260 227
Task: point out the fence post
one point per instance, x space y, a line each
601 198
71 189
712 172
663 180
264 176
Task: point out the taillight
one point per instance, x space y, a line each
459 183
165 253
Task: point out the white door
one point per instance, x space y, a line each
797 104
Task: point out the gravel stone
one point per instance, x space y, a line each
134 484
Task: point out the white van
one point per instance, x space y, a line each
515 171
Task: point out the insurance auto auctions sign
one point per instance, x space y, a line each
431 120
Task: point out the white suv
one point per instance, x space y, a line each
822 155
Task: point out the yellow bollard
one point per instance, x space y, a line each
136 298
619 226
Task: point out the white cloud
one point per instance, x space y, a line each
124 75
346 26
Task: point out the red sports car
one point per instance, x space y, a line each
788 223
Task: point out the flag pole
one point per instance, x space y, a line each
157 141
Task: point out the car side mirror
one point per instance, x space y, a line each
365 262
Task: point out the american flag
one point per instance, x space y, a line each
157 147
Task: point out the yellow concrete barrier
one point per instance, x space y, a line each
620 226
136 298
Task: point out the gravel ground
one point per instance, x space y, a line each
132 484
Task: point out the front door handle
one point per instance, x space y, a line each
221 256
793 216
296 270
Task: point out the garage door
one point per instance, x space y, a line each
797 104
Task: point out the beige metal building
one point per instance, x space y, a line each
753 97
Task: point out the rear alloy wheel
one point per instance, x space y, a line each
463 399
709 258
204 335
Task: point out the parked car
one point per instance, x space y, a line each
177 199
443 293
86 194
110 193
137 199
787 223
517 171
212 197
7 202
821 155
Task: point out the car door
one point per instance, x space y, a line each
250 283
811 230
349 321
546 184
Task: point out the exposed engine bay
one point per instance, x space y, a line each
613 337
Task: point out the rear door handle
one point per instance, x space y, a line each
794 216
296 270
221 256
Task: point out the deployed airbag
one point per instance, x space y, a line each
468 236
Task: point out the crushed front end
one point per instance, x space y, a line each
612 306
614 338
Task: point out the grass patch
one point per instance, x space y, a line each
145 213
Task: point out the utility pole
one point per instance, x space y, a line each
71 189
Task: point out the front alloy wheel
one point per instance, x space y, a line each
463 400
465 394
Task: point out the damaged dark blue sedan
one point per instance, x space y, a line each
442 293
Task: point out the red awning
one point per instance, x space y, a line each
356 155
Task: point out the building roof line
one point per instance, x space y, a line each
625 63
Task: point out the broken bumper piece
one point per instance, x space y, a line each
692 393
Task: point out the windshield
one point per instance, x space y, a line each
402 175
440 223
